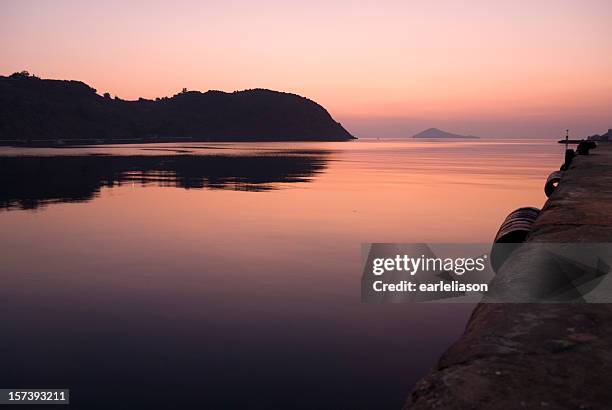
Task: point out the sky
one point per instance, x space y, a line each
521 68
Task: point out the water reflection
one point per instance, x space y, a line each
28 182
177 299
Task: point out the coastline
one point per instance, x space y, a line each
152 140
525 355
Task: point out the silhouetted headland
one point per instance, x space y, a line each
603 137
438 133
36 111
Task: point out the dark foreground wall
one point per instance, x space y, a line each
544 356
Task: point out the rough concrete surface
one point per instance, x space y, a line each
538 356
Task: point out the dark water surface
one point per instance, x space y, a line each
227 275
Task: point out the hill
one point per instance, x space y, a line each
34 110
437 133
603 137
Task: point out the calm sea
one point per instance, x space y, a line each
228 275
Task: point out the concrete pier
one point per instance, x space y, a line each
542 356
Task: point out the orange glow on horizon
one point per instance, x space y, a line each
422 61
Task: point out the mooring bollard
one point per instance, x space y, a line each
585 146
569 156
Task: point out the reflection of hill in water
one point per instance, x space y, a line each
28 182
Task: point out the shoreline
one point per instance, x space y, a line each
531 355
45 143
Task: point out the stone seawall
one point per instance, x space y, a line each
543 356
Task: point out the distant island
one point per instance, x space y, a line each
437 133
40 111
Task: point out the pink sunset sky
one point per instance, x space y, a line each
522 68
